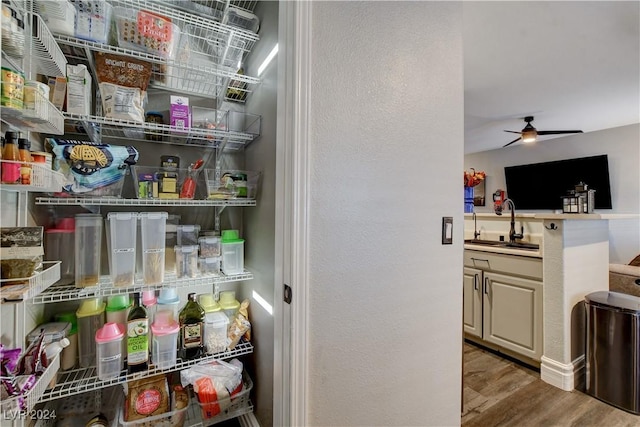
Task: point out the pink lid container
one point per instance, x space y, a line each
66 223
149 298
164 324
109 332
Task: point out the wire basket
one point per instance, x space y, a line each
232 184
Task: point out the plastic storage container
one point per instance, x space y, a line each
232 253
232 184
53 331
109 357
215 332
188 234
208 303
93 20
241 19
186 261
229 304
121 239
70 353
59 246
145 31
59 15
168 300
88 240
90 316
117 311
153 226
209 265
164 347
209 246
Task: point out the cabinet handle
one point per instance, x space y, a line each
479 260
476 279
486 286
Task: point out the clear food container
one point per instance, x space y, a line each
88 240
164 348
90 318
186 261
215 332
232 253
153 226
121 235
210 265
109 358
188 234
209 246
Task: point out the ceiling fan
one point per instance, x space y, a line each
530 134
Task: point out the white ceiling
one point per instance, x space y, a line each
570 64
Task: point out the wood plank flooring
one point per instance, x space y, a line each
499 392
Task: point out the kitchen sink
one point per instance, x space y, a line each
493 243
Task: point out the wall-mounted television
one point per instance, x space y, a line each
542 185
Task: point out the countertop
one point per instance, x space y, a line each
505 251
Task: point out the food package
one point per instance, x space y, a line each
215 383
179 401
21 253
89 166
240 326
146 31
123 85
147 397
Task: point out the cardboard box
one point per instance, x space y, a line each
57 91
78 89
179 113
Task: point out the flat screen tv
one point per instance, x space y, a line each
542 185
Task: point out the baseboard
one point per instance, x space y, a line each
565 376
248 420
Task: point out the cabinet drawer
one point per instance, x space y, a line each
509 264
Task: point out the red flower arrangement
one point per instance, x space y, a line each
473 178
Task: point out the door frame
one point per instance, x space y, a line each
292 205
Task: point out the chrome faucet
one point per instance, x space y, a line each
512 230
476 232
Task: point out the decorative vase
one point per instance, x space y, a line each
468 199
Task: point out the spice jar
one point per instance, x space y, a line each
154 117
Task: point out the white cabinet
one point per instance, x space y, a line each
503 302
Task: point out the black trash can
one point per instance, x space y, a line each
613 349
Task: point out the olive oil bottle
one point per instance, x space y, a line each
191 329
137 337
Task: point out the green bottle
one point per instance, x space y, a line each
191 329
137 337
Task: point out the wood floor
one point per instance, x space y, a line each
498 392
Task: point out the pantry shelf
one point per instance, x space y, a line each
71 293
34 285
43 179
43 117
104 201
82 380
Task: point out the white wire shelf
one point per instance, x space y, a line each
41 116
213 9
43 178
83 380
33 285
98 201
151 132
45 52
70 292
10 408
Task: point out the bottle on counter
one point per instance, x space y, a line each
11 152
137 337
191 329
24 145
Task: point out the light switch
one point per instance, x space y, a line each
447 230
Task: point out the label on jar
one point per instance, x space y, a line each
192 335
137 341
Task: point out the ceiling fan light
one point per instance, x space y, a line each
529 136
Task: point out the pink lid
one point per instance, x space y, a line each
59 230
164 324
66 223
109 332
149 297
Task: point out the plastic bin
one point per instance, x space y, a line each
232 184
215 332
231 406
188 234
90 318
158 37
209 265
613 349
209 246
121 236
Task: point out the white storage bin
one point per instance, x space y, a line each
93 20
59 15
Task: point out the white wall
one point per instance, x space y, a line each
385 156
623 149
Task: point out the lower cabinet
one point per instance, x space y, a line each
504 309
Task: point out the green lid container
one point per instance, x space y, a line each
69 317
118 303
208 303
230 236
90 307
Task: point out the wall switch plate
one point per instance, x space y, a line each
447 230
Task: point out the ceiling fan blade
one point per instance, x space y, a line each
512 131
515 140
557 132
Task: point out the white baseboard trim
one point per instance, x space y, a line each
565 376
248 420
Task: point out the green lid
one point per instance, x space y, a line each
231 236
208 303
69 317
90 307
118 303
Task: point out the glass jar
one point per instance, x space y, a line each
154 117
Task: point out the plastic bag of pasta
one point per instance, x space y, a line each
92 168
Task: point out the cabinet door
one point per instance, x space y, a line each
472 301
513 313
